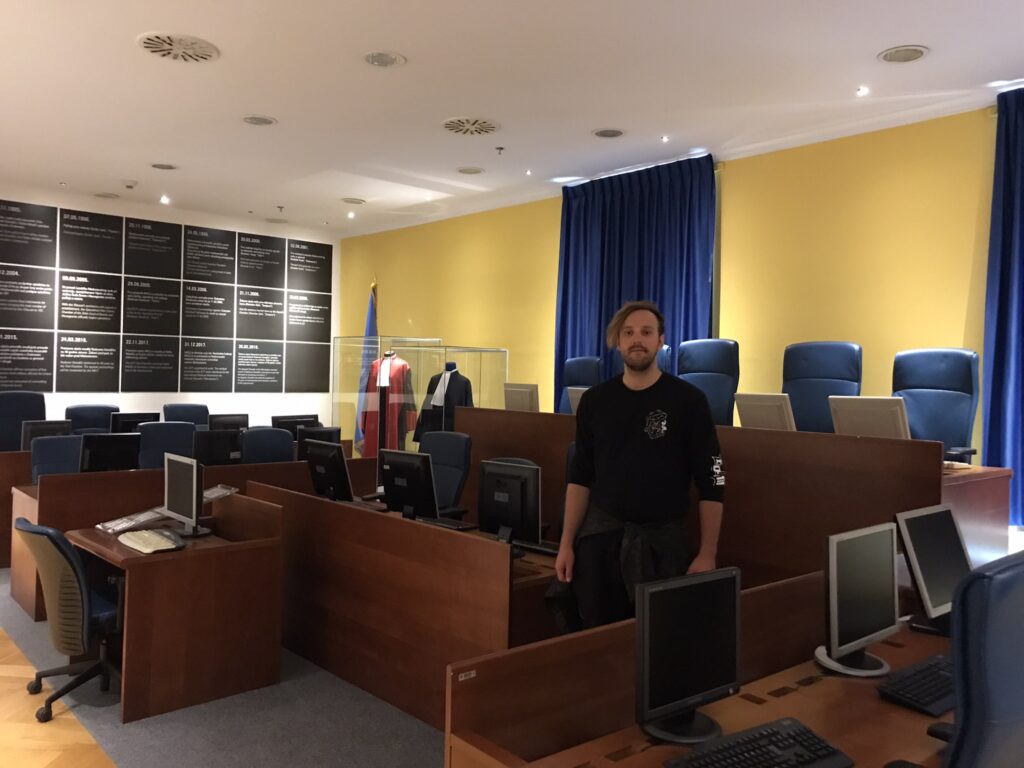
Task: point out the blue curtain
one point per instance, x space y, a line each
643 235
1004 305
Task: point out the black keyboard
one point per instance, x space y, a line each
926 686
544 548
447 522
779 744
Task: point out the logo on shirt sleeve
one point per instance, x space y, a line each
717 473
657 424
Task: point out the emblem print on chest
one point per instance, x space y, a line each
657 424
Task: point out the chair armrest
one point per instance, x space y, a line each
941 731
962 451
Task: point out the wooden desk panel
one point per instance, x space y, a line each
980 499
15 469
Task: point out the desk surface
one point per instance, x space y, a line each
107 547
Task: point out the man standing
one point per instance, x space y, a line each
640 439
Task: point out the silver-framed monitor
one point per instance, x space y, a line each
183 493
521 397
765 411
575 393
869 416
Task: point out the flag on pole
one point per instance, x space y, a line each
369 355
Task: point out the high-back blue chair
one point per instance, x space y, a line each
578 372
713 366
86 419
16 407
449 460
262 445
193 412
939 388
814 370
55 455
159 437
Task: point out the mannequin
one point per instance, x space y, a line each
388 392
446 390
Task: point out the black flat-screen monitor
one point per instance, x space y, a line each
129 422
510 496
218 446
31 429
328 470
232 421
687 652
409 484
325 434
183 492
937 555
291 423
102 452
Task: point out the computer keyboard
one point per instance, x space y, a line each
218 492
543 548
447 522
786 742
132 522
926 686
150 541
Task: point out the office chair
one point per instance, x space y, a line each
193 412
940 390
55 455
578 372
159 437
78 616
86 419
261 445
16 407
713 366
812 371
449 459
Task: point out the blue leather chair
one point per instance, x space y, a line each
713 366
193 412
449 460
940 390
814 370
86 419
76 614
159 437
16 407
262 445
578 372
56 455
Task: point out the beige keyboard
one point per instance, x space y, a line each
148 542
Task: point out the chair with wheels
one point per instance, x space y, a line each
16 407
713 366
261 445
89 419
193 412
159 437
56 455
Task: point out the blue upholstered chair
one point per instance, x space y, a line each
56 455
193 412
713 366
578 372
16 407
86 419
159 437
940 390
78 616
261 445
449 459
814 370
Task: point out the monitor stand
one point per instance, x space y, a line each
857 664
194 531
937 626
689 727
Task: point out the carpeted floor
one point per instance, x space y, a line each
311 718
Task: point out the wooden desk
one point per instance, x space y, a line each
980 499
15 469
204 622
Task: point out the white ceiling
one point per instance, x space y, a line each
82 103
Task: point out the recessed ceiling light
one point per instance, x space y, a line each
175 47
351 214
384 59
902 54
248 211
862 90
470 170
164 166
565 179
323 223
664 139
62 183
260 120
608 133
107 195
529 172
165 200
353 200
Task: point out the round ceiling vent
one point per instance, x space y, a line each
353 200
178 47
608 133
902 54
470 170
470 126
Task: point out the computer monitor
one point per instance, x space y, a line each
31 429
102 452
862 603
218 446
233 421
575 393
183 492
129 422
325 434
765 411
521 397
328 470
938 560
409 484
510 496
292 422
687 652
869 416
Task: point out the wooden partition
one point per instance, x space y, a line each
15 469
980 499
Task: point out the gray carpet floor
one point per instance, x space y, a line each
311 718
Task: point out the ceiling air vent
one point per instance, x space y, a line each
470 126
902 54
178 47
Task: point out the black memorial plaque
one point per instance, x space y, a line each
26 360
206 365
261 260
26 297
309 266
208 310
258 366
149 364
309 317
307 368
209 254
152 306
260 313
152 248
90 241
28 234
88 362
89 302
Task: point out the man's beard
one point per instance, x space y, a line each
638 365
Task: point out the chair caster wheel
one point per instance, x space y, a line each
44 714
34 686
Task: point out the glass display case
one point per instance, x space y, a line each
389 390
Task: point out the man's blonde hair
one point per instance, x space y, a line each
615 326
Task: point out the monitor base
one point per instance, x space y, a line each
194 532
937 626
856 664
690 727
